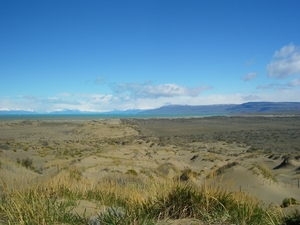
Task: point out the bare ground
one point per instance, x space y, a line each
234 148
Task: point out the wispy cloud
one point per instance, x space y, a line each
30 97
294 83
250 76
272 86
57 101
285 62
250 62
65 94
268 86
147 96
104 102
148 90
251 97
100 80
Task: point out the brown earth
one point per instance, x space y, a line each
245 150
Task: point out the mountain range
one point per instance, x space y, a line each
222 109
230 109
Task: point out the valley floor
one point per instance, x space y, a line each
257 155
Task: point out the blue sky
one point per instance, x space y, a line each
99 55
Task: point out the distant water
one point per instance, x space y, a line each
71 117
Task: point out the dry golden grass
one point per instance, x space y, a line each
52 201
129 177
264 171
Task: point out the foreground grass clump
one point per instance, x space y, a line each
33 207
130 199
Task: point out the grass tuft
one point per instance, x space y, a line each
127 199
265 172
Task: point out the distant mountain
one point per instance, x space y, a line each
230 109
190 110
266 107
16 112
125 112
70 112
67 111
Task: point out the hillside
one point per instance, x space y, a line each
229 109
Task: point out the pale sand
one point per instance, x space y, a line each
103 147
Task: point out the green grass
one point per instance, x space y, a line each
127 199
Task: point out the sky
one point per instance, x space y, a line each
99 55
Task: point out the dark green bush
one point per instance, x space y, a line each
27 163
289 201
293 218
132 172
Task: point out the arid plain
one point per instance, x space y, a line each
259 155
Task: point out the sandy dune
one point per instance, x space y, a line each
259 155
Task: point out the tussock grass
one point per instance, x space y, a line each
221 170
211 157
130 199
264 171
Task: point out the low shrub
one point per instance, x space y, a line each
185 175
289 201
132 172
28 163
293 218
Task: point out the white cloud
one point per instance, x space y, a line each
102 102
147 96
150 103
286 62
294 83
285 51
250 76
148 90
287 95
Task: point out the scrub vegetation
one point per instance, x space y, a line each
138 172
129 199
